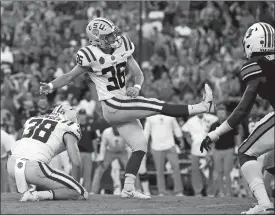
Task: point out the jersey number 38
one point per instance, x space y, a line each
40 129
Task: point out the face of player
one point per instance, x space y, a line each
111 38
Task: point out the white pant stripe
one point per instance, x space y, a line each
135 104
70 182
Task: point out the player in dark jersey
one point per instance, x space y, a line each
258 74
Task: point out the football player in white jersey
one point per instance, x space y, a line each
44 137
105 60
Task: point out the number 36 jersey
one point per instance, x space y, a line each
43 138
107 71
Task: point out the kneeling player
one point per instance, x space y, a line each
43 138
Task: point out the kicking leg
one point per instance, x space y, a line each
116 110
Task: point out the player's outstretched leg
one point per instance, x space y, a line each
118 110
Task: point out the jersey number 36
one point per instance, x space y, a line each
40 130
118 76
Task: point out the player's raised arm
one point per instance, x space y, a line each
237 116
73 152
139 77
63 80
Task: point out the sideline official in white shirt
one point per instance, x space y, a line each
162 130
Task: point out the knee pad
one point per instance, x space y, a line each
143 177
244 158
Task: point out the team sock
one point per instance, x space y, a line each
175 110
132 169
253 175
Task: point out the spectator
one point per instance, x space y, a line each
162 130
223 155
112 147
197 128
88 104
87 146
6 54
7 142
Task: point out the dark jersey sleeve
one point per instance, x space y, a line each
250 70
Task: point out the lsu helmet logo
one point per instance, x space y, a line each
95 32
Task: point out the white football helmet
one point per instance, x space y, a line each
103 33
66 112
259 38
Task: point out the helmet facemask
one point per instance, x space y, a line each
112 40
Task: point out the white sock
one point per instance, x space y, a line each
129 182
44 195
145 187
196 109
254 177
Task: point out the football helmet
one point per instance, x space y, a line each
66 112
259 38
103 33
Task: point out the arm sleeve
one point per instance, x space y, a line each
128 45
250 70
74 129
246 103
85 57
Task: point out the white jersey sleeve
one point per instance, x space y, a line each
85 57
128 46
72 128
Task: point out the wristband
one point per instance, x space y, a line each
223 128
137 86
51 86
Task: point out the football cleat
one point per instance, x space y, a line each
117 191
134 194
260 209
29 196
208 99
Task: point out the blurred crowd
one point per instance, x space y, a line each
184 45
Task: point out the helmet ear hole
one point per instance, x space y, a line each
247 46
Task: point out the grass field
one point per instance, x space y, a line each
107 204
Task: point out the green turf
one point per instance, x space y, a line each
106 204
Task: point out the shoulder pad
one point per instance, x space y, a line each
85 56
72 128
128 45
249 69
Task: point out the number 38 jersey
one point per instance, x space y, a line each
107 71
43 138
